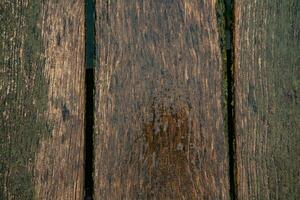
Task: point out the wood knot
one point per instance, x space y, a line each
168 138
65 112
168 129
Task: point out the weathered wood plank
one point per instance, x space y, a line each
267 72
158 116
41 99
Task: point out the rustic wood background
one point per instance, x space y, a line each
161 120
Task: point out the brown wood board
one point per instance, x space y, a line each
41 99
159 121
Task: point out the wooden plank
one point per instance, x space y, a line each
267 57
159 128
42 99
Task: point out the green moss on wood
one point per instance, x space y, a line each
220 11
23 91
268 77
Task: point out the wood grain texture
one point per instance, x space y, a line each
41 99
267 72
159 129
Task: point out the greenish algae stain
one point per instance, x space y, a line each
23 97
220 12
282 113
269 74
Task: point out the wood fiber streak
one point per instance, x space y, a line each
267 72
42 99
159 129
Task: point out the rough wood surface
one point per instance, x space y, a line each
159 128
267 72
41 99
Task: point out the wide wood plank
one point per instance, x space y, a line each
159 128
267 81
41 99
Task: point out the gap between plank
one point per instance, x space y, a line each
229 23
89 98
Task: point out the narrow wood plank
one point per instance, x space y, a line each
267 57
158 116
41 99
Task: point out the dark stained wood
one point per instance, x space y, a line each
267 73
159 128
41 99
